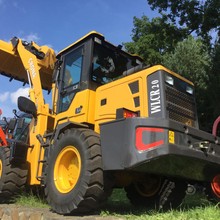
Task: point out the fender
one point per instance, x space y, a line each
67 125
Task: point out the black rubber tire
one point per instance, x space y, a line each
133 192
171 194
88 191
13 176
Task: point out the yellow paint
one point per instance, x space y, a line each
1 168
37 126
85 101
118 95
67 169
16 61
171 137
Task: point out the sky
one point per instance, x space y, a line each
58 24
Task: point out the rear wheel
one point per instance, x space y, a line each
73 172
171 194
144 191
13 177
157 192
212 189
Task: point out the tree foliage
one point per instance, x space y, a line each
214 83
169 40
152 39
201 17
191 59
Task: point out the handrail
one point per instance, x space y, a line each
215 126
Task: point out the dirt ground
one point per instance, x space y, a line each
15 212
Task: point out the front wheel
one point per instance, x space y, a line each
73 172
13 177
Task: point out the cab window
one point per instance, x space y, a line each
110 64
71 77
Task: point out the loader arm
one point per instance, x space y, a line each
29 63
32 64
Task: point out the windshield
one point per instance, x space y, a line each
109 64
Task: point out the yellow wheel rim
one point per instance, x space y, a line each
67 169
1 166
148 187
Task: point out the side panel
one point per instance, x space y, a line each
129 92
148 93
117 96
81 109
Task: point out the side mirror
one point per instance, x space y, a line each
27 106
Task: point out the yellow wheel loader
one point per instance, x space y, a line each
113 123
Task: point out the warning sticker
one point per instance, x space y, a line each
171 137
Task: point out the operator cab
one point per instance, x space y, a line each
89 63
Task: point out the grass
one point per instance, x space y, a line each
193 207
31 199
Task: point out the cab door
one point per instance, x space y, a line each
70 78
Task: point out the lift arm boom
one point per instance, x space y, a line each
29 63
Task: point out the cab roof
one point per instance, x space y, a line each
92 34
85 37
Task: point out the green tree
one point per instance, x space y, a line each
192 60
151 39
199 16
168 40
214 83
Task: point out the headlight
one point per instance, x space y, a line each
189 90
169 79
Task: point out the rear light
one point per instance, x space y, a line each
147 138
125 113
